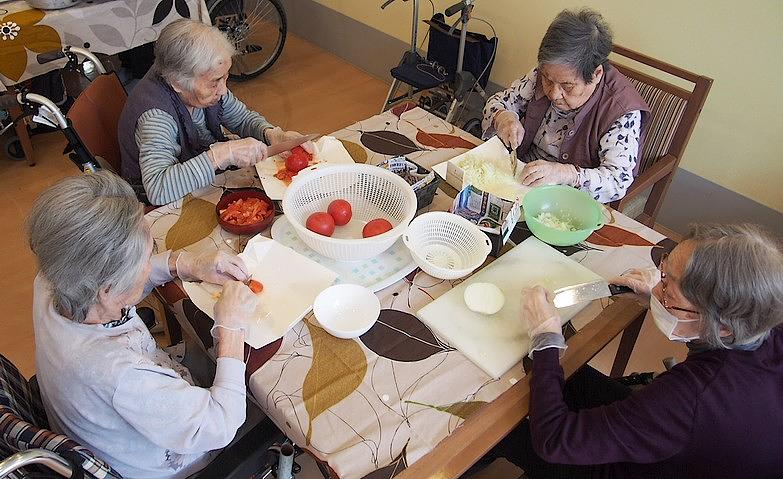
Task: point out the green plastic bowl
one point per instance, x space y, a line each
563 202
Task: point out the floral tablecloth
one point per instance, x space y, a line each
370 407
102 26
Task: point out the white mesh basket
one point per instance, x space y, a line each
445 245
372 192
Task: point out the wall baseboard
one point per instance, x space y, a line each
691 198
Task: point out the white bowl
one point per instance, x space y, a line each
346 310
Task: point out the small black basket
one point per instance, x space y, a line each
413 173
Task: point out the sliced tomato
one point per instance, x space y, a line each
255 286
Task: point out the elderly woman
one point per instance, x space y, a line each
717 414
574 119
170 131
103 380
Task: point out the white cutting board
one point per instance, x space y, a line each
291 283
497 342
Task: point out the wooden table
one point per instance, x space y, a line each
372 415
106 27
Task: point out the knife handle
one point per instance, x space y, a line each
616 289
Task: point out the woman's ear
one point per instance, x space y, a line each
598 73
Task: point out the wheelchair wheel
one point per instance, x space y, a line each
258 29
473 126
13 149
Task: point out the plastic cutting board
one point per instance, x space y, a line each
497 342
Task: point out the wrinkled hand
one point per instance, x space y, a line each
509 129
539 312
216 267
278 135
242 153
237 303
543 172
641 281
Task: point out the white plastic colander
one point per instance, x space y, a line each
445 245
372 192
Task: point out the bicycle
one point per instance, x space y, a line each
258 29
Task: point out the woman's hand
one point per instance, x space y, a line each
216 267
237 303
543 172
241 153
509 129
539 313
278 135
641 281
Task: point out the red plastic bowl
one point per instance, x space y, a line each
243 193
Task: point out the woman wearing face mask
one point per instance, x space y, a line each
715 415
574 119
171 129
104 382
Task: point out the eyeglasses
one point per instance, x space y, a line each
663 288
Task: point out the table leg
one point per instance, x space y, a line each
627 343
23 134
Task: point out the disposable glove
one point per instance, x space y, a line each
218 267
278 135
543 172
237 305
508 128
641 281
539 313
241 153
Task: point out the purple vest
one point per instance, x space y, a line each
154 92
613 97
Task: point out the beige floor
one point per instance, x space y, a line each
309 90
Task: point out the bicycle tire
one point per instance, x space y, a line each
254 34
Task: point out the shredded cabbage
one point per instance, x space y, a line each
484 174
556 222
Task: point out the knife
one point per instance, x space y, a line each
512 152
579 293
287 145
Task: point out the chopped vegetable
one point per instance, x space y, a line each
556 222
255 286
246 211
485 174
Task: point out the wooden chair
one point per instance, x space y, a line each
95 115
674 111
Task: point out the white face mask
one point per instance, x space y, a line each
667 322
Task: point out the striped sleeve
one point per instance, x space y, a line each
165 179
241 120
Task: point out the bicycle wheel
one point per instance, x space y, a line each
258 29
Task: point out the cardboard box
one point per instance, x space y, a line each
493 215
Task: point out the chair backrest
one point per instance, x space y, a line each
95 115
674 111
23 425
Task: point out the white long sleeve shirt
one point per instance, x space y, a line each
114 391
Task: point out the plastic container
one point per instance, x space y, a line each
567 203
372 192
424 181
445 245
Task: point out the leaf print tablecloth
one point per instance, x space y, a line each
106 26
372 406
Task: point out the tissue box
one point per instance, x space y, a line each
493 215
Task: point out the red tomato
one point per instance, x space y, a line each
376 227
296 163
340 210
255 286
321 223
245 211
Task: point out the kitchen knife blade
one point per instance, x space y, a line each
579 293
287 145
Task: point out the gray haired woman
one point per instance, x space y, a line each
717 414
171 129
574 119
103 380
